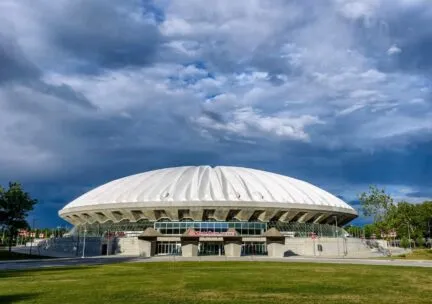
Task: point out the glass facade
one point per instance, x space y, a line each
168 248
242 228
178 228
211 248
254 248
306 229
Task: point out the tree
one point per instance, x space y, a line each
379 205
420 242
404 243
371 229
375 203
15 204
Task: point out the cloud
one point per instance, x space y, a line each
248 122
336 92
355 9
14 64
393 50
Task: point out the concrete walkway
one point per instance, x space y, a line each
297 259
73 262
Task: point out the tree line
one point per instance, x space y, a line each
402 220
15 205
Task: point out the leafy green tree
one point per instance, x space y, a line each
404 242
375 203
379 205
420 241
15 204
370 229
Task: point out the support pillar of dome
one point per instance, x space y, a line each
189 248
275 243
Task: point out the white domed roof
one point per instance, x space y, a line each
203 184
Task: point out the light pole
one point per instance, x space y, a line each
409 235
108 241
337 234
83 250
31 236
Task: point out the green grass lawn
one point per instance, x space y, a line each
417 254
218 282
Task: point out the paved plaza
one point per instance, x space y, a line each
71 262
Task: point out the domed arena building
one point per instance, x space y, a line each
205 210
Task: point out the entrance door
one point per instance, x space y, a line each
168 248
104 249
211 248
254 248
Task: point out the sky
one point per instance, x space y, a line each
334 92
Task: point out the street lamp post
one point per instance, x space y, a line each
409 235
31 236
84 243
108 242
337 234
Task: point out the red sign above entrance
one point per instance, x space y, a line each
211 233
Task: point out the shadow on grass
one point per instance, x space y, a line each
14 298
14 273
7 256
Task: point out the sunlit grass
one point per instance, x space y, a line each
417 254
218 282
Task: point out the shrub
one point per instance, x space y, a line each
404 243
420 241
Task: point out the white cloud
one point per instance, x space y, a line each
355 9
307 69
393 50
248 122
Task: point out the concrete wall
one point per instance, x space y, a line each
128 246
190 249
331 247
232 249
68 247
275 249
349 247
146 248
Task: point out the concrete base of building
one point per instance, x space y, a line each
190 249
232 249
275 249
146 248
276 246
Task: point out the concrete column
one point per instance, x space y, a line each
128 246
232 249
190 249
147 248
275 249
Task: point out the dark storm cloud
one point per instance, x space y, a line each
113 108
64 93
217 117
14 66
424 193
106 35
408 29
411 31
411 167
